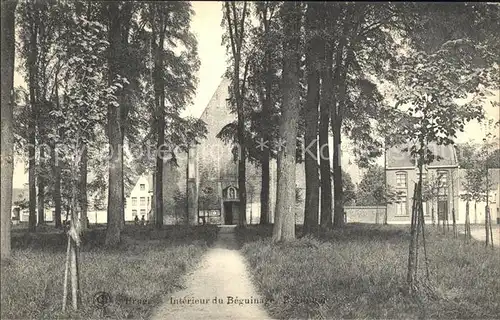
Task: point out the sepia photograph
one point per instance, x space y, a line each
250 160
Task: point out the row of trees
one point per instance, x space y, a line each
98 74
381 74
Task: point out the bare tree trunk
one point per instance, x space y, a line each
126 14
158 32
122 215
454 221
83 187
32 176
289 121
475 212
422 225
41 189
278 225
159 173
467 222
264 189
56 171
410 276
338 205
486 225
66 275
491 229
266 113
236 33
324 151
32 83
242 221
448 221
385 180
7 136
455 234
432 214
337 106
438 220
75 281
313 60
115 195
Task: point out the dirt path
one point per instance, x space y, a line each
214 290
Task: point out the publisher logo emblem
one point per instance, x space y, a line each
102 299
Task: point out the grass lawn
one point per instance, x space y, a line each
147 266
359 272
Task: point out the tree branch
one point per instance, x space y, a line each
242 24
231 36
243 84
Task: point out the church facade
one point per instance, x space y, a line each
203 187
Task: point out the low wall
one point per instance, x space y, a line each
365 214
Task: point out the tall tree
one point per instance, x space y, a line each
284 226
324 148
337 105
268 30
235 17
314 51
39 34
173 64
158 30
115 188
371 188
7 104
30 24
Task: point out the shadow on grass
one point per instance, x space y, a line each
148 265
359 271
55 240
350 232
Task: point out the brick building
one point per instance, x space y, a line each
402 174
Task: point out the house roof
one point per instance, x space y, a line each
149 179
445 156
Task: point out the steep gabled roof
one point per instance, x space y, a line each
221 90
445 156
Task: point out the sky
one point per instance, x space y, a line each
205 25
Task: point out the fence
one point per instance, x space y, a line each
365 214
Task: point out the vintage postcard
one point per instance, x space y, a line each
250 160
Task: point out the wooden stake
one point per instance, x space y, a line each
66 271
74 279
422 223
490 223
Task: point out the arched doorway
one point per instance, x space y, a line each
231 205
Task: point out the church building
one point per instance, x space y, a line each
208 175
